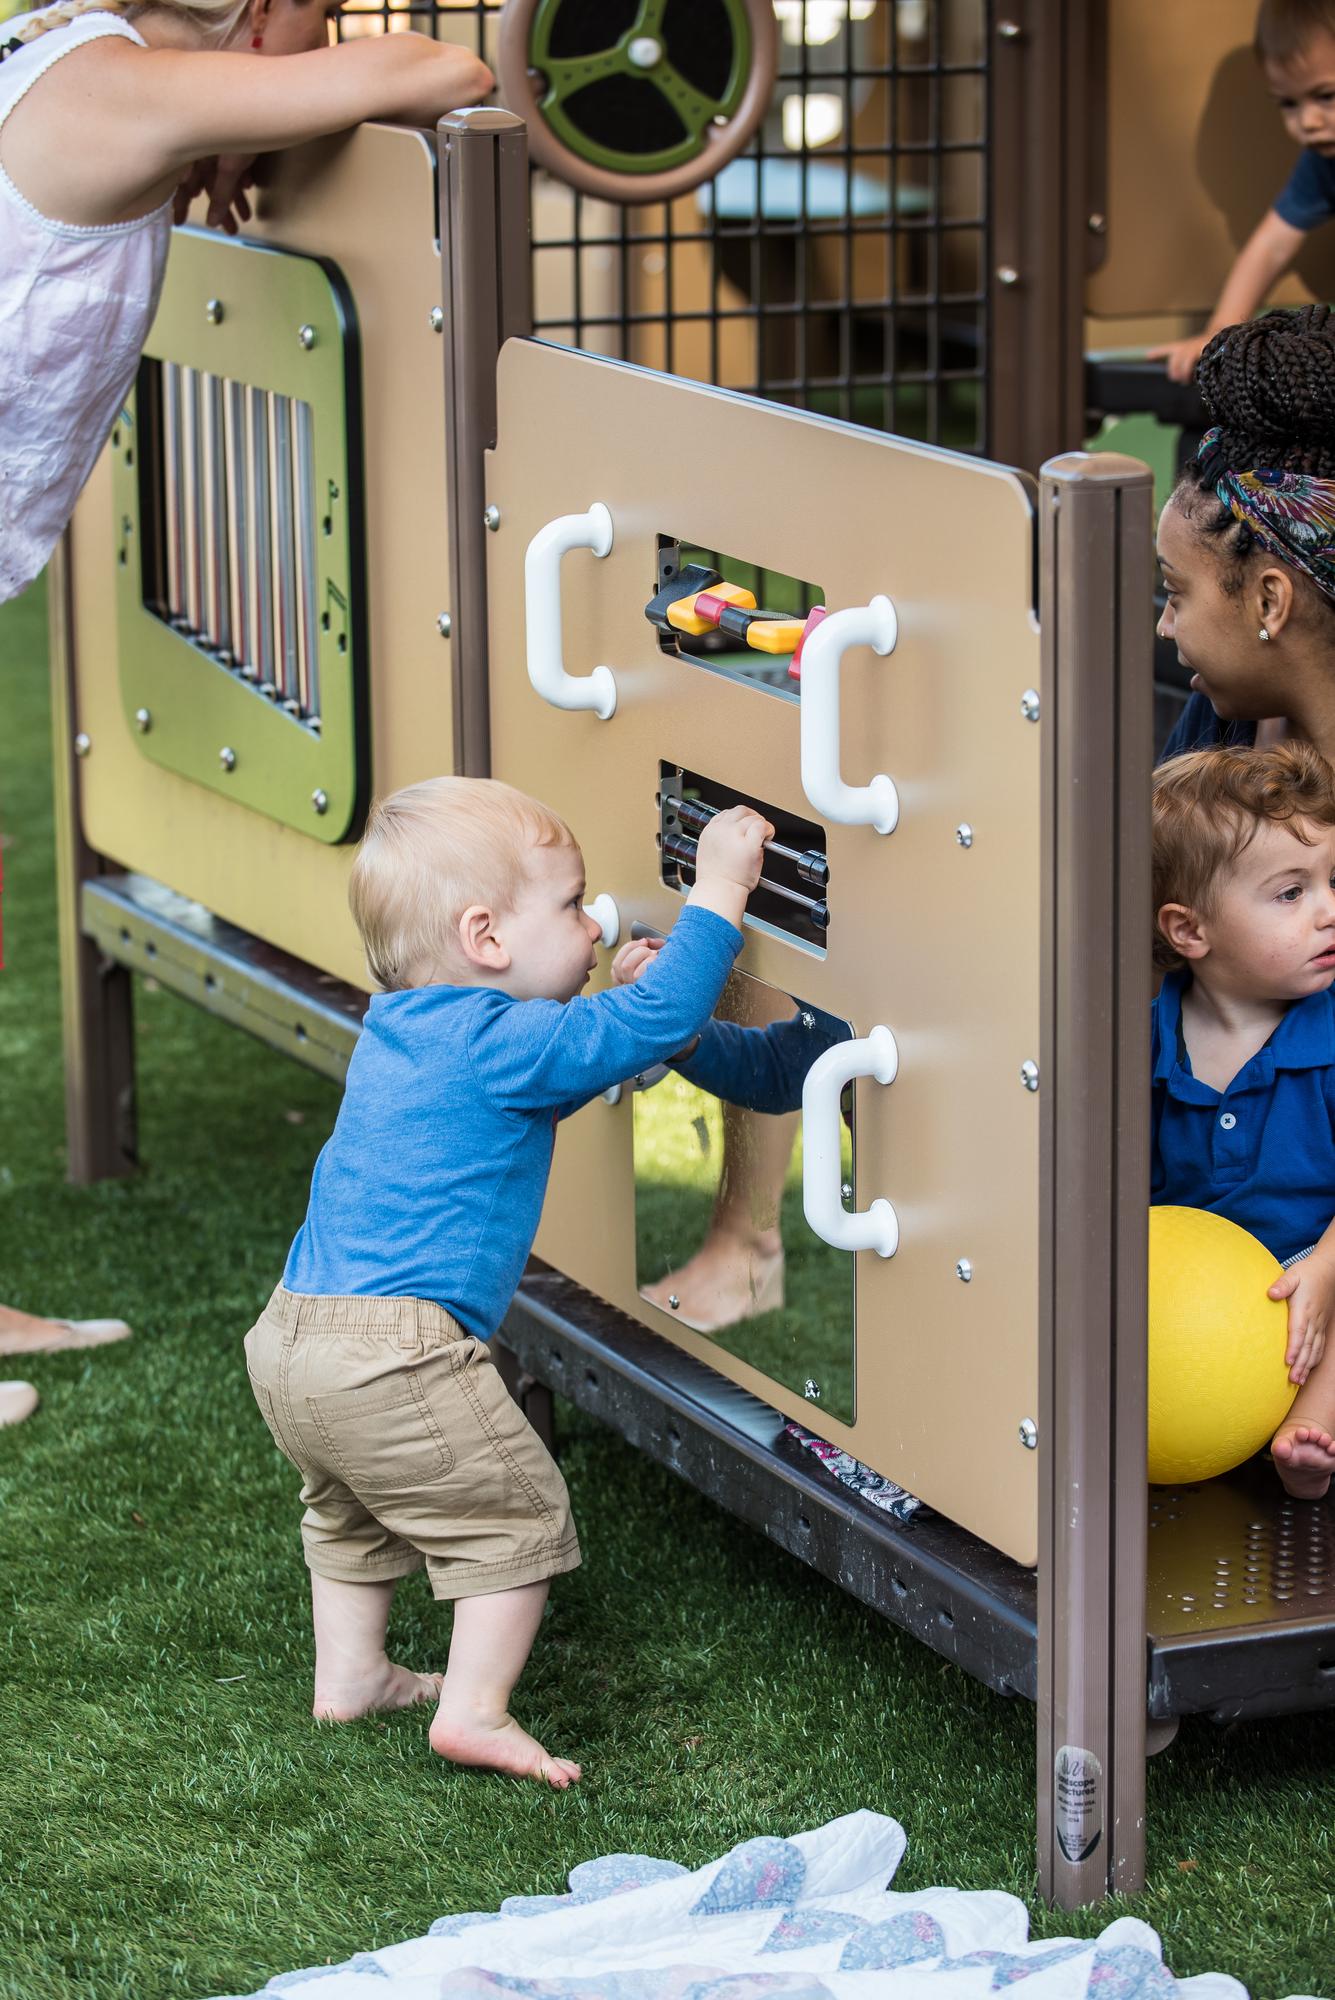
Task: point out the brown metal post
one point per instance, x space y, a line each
96 995
1047 132
484 245
1095 612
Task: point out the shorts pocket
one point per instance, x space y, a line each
383 1438
264 1397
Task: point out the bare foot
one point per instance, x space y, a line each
1304 1458
18 1400
389 1687
729 1278
500 1746
25 1333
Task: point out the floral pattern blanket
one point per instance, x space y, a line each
808 1918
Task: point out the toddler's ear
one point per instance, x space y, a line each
478 940
1182 929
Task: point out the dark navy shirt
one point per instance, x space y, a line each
1308 196
1262 1152
1199 728
762 1069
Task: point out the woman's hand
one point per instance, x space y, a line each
1180 356
225 179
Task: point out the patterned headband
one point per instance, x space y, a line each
1292 514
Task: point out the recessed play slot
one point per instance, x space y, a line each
792 896
734 617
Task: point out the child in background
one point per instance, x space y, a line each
370 1361
1295 46
1244 1039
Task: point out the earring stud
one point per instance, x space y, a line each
1265 636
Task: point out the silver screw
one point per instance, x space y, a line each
811 1390
673 1300
1030 706
492 517
964 834
1029 1434
320 800
444 624
1009 30
306 337
213 312
143 721
808 1020
227 758
964 1271
1097 225
1029 1075
437 319
846 1191
1007 274
82 744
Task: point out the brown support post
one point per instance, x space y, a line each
96 995
484 245
1095 613
1047 135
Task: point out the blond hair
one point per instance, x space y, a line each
217 19
431 850
1207 808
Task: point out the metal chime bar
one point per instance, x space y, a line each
173 491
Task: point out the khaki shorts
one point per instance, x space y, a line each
410 1447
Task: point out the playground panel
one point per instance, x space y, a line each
932 932
263 859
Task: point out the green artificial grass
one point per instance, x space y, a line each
173 1824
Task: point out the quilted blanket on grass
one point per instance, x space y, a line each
808 1918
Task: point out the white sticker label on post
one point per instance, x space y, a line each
1078 1791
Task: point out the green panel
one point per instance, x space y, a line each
241 313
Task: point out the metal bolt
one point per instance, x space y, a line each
1097 225
1030 706
1007 274
492 517
811 1390
846 1191
320 800
82 744
964 834
306 337
213 312
437 319
673 1300
444 624
1029 1434
1029 1075
143 721
964 1271
227 758
1009 30
808 1019
644 51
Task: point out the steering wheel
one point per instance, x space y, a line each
637 100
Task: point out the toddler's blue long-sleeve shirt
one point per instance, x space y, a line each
432 1181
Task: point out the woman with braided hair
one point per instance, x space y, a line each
111 121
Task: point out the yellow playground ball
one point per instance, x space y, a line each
1218 1386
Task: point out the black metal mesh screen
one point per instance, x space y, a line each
839 265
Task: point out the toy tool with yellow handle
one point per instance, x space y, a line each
700 601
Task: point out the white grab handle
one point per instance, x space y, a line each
876 804
542 610
607 916
875 1228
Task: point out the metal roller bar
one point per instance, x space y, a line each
261 667
284 562
679 848
240 554
308 649
192 459
810 863
173 494
217 560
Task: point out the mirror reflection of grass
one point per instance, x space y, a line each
678 1157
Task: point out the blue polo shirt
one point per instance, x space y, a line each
1308 196
1262 1152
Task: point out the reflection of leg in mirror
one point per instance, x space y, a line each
738 1269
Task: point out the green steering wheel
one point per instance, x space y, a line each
637 100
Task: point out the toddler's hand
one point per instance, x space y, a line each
1310 1290
1180 356
631 960
731 848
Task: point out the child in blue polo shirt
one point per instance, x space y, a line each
370 1362
1244 1039
1295 47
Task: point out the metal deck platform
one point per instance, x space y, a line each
1241 1592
